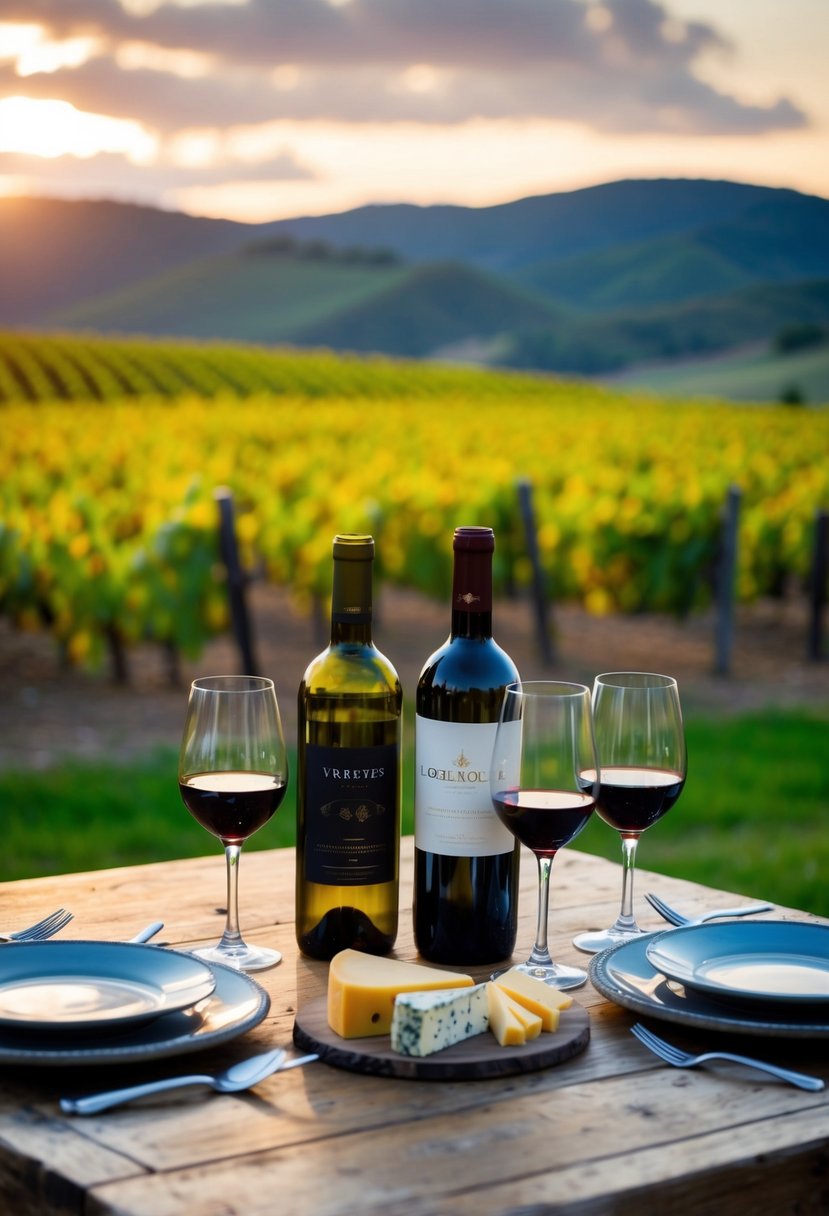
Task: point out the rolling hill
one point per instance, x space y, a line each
321 301
587 281
245 296
55 252
779 241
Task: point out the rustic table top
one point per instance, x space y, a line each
612 1130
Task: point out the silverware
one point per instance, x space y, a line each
676 918
239 1076
149 931
48 927
683 1059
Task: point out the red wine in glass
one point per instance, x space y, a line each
632 799
543 781
232 805
232 775
640 739
543 820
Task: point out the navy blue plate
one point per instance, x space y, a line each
89 985
778 961
623 974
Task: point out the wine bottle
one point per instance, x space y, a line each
466 861
348 800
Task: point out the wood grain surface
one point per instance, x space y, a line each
611 1131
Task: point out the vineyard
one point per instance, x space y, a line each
111 453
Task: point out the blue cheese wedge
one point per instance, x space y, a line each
425 1022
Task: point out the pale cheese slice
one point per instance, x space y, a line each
535 995
362 988
532 1022
504 1023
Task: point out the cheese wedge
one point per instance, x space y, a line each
535 995
504 1023
425 1022
532 1022
362 988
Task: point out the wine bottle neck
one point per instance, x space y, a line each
472 595
351 601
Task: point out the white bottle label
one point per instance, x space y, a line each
453 808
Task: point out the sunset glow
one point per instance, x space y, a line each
55 128
233 108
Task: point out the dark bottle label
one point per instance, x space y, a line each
351 821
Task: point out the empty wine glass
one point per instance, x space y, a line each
543 783
233 772
641 741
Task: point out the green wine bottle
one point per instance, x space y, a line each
349 786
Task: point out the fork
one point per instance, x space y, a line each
683 1059
48 927
676 918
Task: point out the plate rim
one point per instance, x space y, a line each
178 1043
714 1015
203 984
685 973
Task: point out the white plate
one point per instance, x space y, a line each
772 960
625 976
72 985
236 1005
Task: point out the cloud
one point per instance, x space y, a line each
110 175
617 66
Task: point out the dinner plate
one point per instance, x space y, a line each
625 975
782 961
236 1005
77 985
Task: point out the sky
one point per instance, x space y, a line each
261 109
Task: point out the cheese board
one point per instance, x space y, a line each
474 1059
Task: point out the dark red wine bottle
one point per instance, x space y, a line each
466 861
348 796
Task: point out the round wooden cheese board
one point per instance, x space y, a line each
474 1059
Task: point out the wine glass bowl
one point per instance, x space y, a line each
641 742
544 780
233 773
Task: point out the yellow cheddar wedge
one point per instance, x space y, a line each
532 1022
504 1023
362 988
535 995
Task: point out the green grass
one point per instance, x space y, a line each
752 817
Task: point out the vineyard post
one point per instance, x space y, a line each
818 586
539 592
726 582
237 581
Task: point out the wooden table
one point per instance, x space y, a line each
613 1130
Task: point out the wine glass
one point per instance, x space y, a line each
641 741
232 774
543 783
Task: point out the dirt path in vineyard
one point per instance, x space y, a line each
47 712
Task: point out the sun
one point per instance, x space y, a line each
51 128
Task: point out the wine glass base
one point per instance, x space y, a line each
603 939
242 958
556 975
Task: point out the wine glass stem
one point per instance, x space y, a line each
540 953
626 919
231 935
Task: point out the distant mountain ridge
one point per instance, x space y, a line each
589 280
508 236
